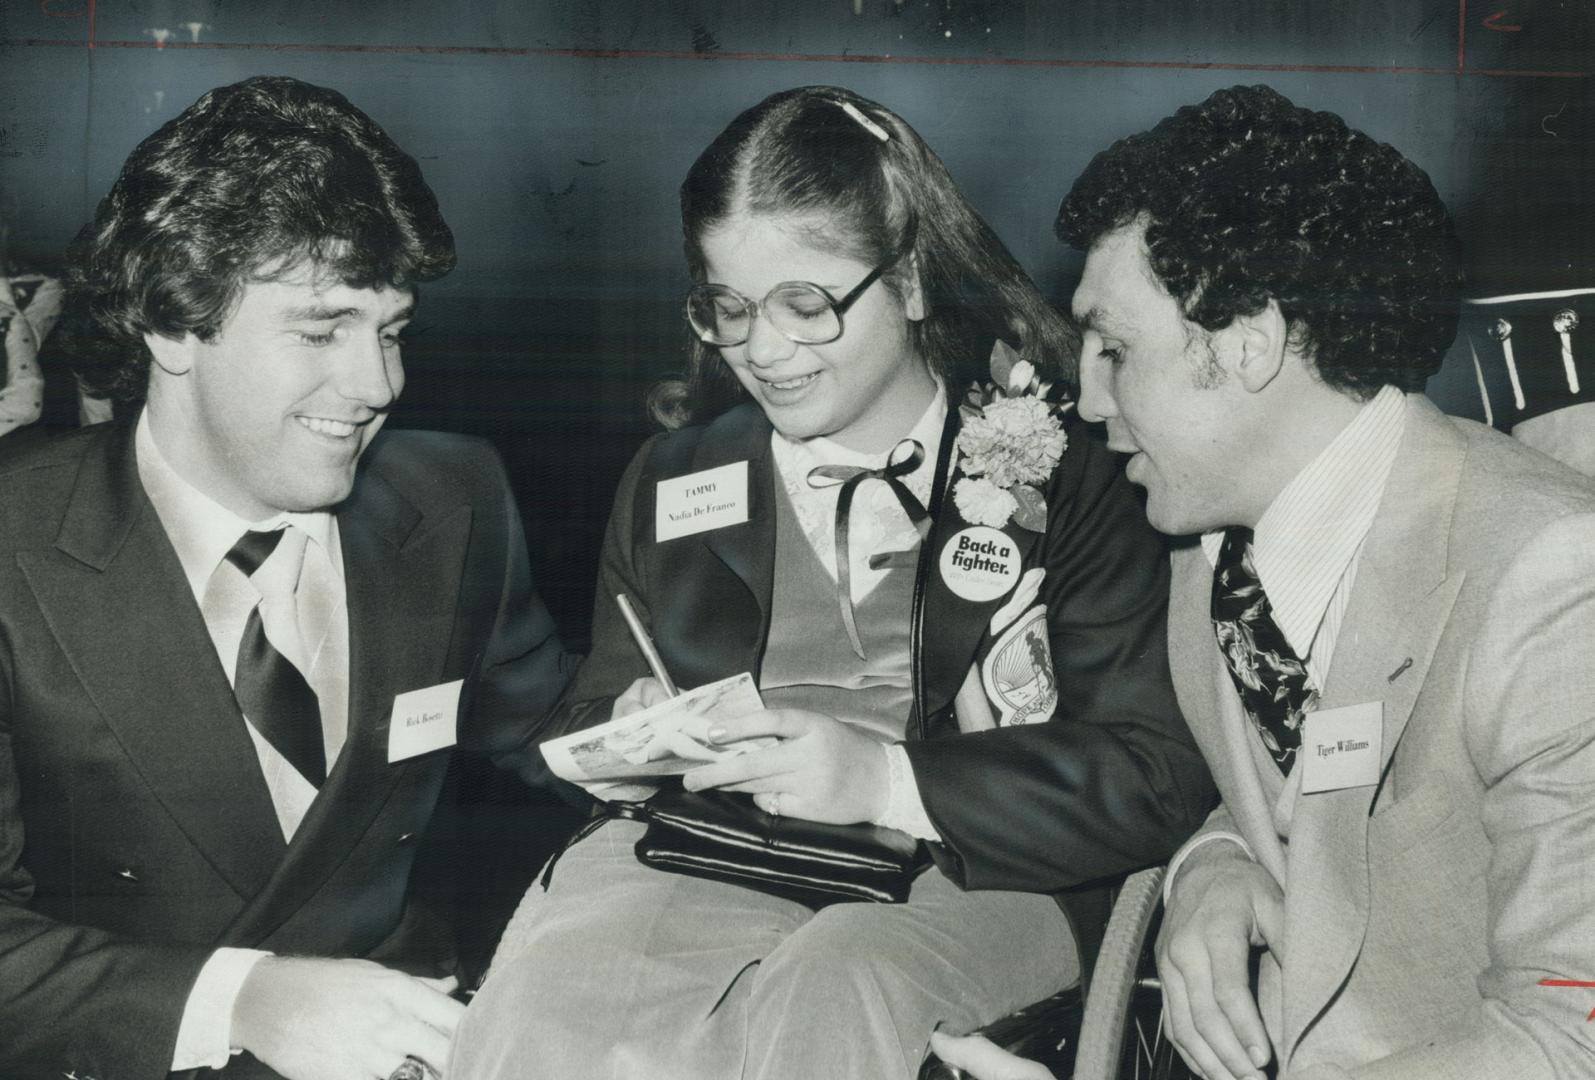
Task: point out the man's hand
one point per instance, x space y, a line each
982 1059
643 693
1222 903
342 1019
821 770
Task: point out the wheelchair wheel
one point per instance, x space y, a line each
1121 1037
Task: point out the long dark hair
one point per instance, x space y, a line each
800 153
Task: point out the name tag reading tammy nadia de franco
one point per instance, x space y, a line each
700 501
1340 747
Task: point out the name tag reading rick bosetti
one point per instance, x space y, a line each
424 720
700 501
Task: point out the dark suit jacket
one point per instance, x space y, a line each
136 831
1111 782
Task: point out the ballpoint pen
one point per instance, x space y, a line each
649 652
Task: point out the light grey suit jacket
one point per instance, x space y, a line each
1421 914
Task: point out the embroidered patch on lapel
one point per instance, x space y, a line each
1018 673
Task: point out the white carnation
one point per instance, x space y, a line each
1015 440
983 503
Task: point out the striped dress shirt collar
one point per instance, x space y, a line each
201 530
1306 541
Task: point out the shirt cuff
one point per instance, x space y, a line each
1185 852
905 811
204 1039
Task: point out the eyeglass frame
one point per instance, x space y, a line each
838 307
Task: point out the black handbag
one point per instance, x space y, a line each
723 836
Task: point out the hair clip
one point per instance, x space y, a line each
865 122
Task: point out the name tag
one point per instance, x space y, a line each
1340 747
700 501
424 720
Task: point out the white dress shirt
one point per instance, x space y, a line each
877 525
202 532
1307 545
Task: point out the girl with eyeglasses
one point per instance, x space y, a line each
937 650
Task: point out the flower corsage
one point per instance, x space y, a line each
1011 440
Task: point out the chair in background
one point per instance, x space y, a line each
1533 356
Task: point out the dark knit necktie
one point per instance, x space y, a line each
1271 679
272 692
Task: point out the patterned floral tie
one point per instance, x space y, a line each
1271 679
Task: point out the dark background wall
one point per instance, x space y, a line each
555 134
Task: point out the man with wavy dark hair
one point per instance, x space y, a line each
232 631
1382 638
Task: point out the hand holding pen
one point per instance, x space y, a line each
643 693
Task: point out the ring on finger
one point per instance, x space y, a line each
775 804
412 1068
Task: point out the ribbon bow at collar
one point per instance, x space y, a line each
850 477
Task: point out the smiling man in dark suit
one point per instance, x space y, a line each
232 632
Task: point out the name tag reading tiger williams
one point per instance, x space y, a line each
1340 747
700 501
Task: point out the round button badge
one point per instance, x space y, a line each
980 563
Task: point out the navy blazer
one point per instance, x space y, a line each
1112 781
136 831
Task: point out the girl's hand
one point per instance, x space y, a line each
641 694
980 1059
821 770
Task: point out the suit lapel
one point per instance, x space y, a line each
1401 601
117 601
747 550
402 577
956 626
1208 699
709 592
1403 592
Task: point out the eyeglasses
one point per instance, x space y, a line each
802 311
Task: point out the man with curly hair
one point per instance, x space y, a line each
212 620
1401 723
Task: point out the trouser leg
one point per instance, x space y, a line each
855 992
627 973
619 971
